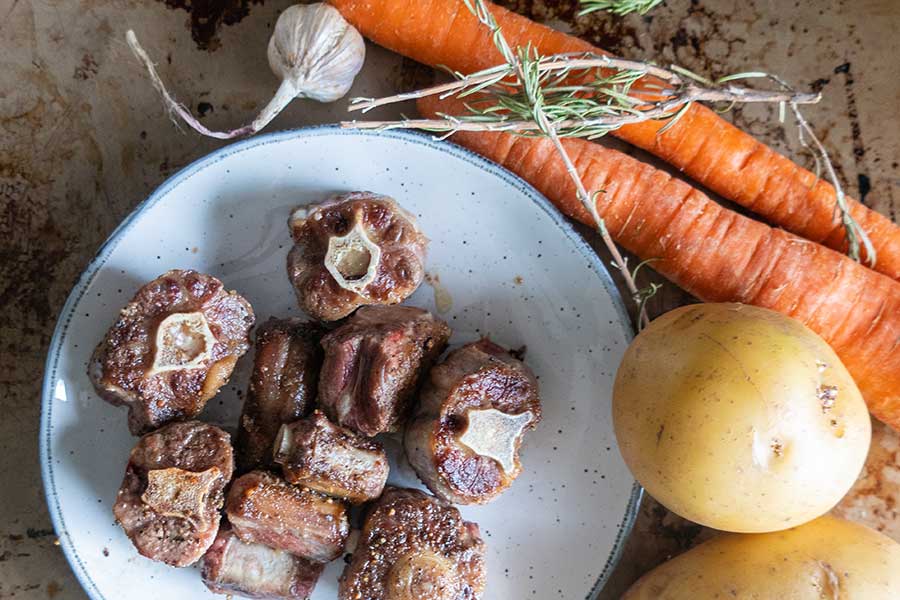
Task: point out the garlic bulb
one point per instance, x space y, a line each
314 51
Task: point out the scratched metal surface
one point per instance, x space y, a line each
83 139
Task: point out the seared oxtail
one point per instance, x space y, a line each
282 386
352 250
415 547
234 567
171 349
265 509
173 489
374 363
319 455
473 412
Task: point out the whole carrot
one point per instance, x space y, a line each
715 253
702 144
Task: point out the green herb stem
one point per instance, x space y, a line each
618 7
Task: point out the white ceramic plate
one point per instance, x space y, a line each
513 269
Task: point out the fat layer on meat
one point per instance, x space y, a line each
374 363
319 455
234 567
265 509
169 500
282 386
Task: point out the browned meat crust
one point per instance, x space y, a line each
384 268
475 377
374 363
415 547
173 488
159 385
256 571
265 509
282 386
316 453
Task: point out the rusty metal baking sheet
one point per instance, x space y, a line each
84 138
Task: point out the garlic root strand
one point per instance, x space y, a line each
313 50
175 107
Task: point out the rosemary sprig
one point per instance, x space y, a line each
589 95
854 233
525 65
618 7
585 95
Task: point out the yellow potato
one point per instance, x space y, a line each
827 559
739 418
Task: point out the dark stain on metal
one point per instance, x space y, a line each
892 207
611 33
34 534
682 532
709 27
53 589
32 249
865 186
206 16
543 10
819 84
87 69
411 75
859 149
681 39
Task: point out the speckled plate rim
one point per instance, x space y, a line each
100 258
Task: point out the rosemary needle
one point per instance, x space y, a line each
618 7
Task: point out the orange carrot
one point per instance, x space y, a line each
702 144
717 254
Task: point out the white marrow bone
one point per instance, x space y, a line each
495 434
183 341
353 259
175 492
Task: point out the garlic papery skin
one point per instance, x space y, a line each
314 51
317 55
